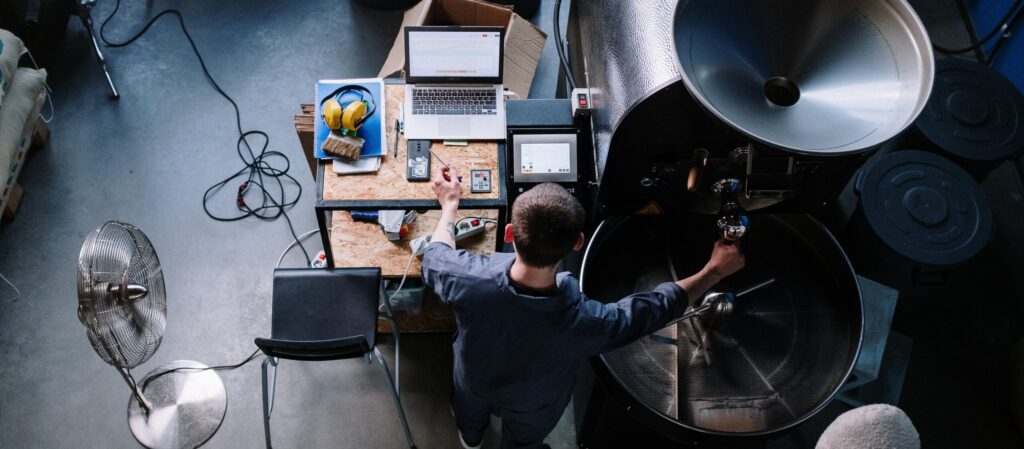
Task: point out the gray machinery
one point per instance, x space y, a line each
771 93
704 111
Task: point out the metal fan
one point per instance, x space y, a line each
121 302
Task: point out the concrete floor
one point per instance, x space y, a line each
147 158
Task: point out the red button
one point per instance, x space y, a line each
476 222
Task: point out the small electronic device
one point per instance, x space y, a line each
480 181
546 144
580 102
538 158
418 159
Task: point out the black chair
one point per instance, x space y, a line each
327 315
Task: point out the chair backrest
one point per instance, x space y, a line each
323 314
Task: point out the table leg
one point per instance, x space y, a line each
321 220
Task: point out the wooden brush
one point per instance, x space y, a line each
345 147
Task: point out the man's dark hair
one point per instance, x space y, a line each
546 221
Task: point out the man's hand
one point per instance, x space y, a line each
448 188
726 259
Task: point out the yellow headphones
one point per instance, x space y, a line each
346 117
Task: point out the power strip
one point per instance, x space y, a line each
466 228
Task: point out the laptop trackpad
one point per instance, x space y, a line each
454 127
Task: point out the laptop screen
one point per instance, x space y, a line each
454 54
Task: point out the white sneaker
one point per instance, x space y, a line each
466 445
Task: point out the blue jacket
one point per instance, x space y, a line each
521 351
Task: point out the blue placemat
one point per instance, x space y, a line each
372 131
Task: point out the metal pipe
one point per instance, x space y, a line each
143 402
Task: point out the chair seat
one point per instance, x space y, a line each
323 314
326 315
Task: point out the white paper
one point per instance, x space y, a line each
364 165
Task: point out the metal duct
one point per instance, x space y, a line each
628 56
811 76
807 76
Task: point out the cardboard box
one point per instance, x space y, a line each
304 125
523 41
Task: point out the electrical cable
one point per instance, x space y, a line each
401 283
17 293
557 28
197 370
1004 36
972 34
291 245
999 29
257 165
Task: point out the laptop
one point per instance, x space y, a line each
453 83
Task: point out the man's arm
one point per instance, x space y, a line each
726 259
438 260
640 314
448 190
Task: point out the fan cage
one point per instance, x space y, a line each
124 332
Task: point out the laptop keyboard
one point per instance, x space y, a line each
430 101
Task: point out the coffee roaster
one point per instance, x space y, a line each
784 96
741 119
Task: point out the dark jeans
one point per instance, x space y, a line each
519 429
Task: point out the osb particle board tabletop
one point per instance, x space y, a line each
363 244
389 182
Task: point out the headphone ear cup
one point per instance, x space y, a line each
353 115
332 114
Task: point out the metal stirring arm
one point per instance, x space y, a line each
718 304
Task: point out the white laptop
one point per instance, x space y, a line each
453 83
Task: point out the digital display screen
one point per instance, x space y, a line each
462 54
543 158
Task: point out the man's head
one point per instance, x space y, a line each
547 223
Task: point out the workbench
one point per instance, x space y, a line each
350 243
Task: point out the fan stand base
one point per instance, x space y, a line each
188 407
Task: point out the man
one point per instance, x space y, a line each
523 329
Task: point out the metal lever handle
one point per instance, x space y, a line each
732 220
